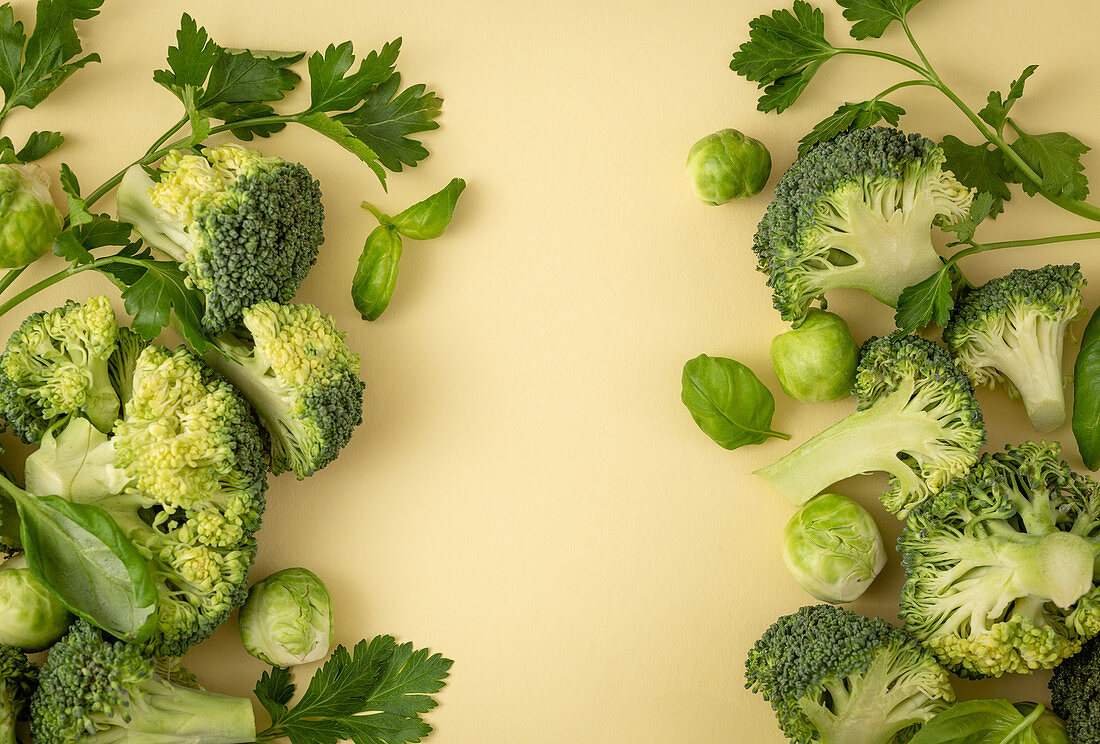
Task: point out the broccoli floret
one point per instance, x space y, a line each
999 566
55 366
1012 329
123 362
917 420
856 211
98 691
836 677
245 228
1075 694
18 679
183 475
301 377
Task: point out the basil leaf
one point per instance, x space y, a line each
429 218
728 402
978 722
376 275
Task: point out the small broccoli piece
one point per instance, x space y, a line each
918 420
1075 694
18 679
301 377
245 228
183 475
999 566
836 677
98 691
1012 329
856 211
55 366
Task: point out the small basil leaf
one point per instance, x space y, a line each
728 402
429 218
976 722
376 275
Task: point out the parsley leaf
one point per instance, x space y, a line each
378 693
873 17
782 54
386 118
39 145
78 210
154 293
1057 158
980 167
332 90
925 301
32 68
851 116
964 229
241 76
996 109
190 60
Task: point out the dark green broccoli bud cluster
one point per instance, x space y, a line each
94 691
837 677
856 211
246 228
1075 694
999 565
55 366
1012 330
918 420
18 680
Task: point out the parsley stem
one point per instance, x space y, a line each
65 273
10 277
164 137
889 57
899 86
983 247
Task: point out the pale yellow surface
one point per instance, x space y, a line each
527 494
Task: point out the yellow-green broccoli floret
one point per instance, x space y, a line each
298 372
55 366
1012 329
94 690
245 227
918 420
856 211
999 566
183 475
836 677
18 679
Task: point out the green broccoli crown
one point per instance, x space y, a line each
245 227
302 379
837 677
18 680
96 690
856 211
55 366
1075 694
1012 330
999 565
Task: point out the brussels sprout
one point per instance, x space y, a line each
728 165
31 617
287 618
816 362
833 548
1048 728
29 220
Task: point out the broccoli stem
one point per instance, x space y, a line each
866 441
169 714
1033 364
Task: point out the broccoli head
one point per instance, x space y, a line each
1012 329
999 565
1075 694
18 679
856 211
301 377
245 227
183 475
56 366
95 690
836 677
917 420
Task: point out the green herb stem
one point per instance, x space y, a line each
1049 240
10 277
64 274
889 57
905 84
166 136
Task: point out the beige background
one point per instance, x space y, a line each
528 495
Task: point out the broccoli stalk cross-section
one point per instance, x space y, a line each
857 211
918 421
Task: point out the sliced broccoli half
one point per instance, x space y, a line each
18 680
918 420
98 691
56 366
1012 329
183 475
856 211
298 372
999 567
245 227
835 677
1075 694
